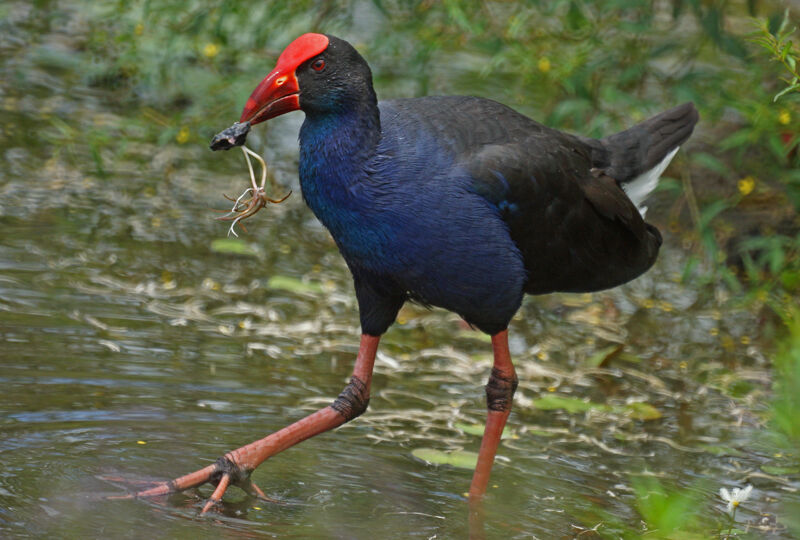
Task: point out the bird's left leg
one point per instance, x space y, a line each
499 394
235 466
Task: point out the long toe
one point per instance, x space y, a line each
216 497
253 490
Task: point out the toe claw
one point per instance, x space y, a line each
197 478
165 488
255 491
218 493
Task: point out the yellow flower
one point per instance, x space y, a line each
138 29
746 185
183 135
544 64
784 117
210 50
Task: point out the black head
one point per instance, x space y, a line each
334 80
317 73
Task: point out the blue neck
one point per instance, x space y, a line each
335 146
335 150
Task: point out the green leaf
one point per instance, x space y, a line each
670 511
570 404
720 450
459 458
474 334
541 432
286 283
477 429
742 137
629 357
233 246
710 212
785 91
602 356
712 163
669 185
784 22
642 411
785 50
637 410
780 471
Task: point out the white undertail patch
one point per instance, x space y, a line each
640 187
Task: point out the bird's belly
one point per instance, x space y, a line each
437 243
467 264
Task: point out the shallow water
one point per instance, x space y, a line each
134 349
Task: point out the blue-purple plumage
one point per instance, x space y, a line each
463 203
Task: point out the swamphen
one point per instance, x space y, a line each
457 202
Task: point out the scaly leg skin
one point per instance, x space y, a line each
234 468
499 394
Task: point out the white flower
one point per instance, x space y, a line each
735 497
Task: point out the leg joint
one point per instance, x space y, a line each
353 400
227 465
500 390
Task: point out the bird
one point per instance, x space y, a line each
456 202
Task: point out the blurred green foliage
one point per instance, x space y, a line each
786 404
668 511
783 49
589 67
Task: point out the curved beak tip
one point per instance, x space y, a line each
277 94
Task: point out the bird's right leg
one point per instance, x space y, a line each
499 394
234 468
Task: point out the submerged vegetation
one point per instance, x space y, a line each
149 83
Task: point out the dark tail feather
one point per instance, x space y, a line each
630 153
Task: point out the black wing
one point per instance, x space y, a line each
576 228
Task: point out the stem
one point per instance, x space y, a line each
733 522
263 167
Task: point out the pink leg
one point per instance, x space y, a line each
235 466
499 393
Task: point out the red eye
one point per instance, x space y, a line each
318 64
